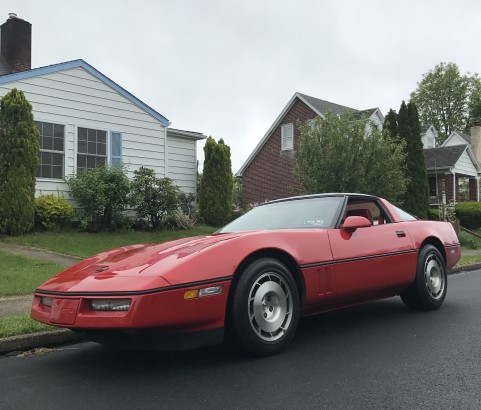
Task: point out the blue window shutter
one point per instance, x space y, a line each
116 148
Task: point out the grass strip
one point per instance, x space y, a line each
469 260
20 325
20 275
84 244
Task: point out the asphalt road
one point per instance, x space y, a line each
379 355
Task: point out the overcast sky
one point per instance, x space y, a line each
228 68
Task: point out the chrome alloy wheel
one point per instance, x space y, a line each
270 306
434 277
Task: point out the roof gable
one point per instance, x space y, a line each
320 107
457 137
425 128
36 72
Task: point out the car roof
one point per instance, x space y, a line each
324 195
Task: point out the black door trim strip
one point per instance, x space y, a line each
360 258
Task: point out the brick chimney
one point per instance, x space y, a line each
476 141
16 43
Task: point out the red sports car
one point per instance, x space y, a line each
255 277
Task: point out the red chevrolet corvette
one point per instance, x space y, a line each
255 277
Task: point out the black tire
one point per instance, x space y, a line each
265 308
428 290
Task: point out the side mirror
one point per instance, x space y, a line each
353 222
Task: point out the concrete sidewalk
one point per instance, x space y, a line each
16 305
41 254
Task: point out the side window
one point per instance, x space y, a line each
92 148
116 148
368 209
52 141
287 137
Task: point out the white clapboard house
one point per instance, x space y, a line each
85 119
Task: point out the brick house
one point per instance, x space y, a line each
268 172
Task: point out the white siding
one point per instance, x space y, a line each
378 122
454 139
182 163
76 98
465 166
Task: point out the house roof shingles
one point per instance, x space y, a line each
425 127
443 157
323 106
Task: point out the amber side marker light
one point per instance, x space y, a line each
200 293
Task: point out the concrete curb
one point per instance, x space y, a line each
465 268
22 343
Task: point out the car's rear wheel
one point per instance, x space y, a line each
265 307
428 290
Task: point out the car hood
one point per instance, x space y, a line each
132 261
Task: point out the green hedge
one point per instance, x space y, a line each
433 214
53 212
469 214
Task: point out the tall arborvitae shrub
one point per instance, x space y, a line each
390 123
19 159
417 194
215 195
406 125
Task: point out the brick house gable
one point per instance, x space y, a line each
269 173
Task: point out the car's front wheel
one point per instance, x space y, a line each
265 307
429 288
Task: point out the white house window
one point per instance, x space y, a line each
51 140
92 148
116 148
287 137
430 143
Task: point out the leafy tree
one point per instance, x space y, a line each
443 98
155 198
475 110
336 154
215 195
19 159
102 194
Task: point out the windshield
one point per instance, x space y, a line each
291 214
404 215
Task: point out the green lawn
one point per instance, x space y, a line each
85 244
469 241
469 260
20 325
20 275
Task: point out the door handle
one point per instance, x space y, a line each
401 234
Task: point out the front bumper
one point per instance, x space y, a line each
164 310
